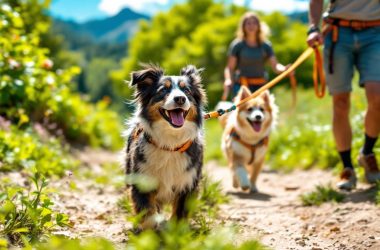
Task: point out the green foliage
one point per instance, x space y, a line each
320 195
213 134
27 216
174 236
96 78
288 44
204 209
179 37
179 235
24 150
307 130
32 91
377 194
61 243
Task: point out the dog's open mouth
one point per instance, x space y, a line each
256 125
176 117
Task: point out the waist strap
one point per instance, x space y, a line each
353 24
246 81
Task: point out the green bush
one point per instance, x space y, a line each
25 150
32 91
320 195
27 216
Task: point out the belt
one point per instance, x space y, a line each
353 24
333 24
246 81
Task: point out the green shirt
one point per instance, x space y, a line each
250 59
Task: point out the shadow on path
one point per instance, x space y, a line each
362 195
250 196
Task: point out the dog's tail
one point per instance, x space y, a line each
223 105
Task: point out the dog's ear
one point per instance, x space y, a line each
242 94
268 99
147 76
266 96
193 73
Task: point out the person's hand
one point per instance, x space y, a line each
314 38
227 83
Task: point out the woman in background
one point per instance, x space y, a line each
247 56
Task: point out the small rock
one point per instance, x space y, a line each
330 223
301 243
335 229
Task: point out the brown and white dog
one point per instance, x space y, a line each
245 137
165 141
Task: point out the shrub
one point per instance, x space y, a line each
31 90
320 195
27 216
25 150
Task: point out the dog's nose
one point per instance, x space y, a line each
180 100
258 117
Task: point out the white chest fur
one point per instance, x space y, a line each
169 169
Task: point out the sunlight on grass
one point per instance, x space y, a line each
320 195
213 136
377 194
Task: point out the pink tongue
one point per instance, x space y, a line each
177 118
256 126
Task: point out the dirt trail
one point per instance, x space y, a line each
275 215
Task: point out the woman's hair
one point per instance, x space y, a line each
262 31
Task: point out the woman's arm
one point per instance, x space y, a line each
278 67
228 76
229 71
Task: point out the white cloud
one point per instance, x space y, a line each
149 7
112 7
279 5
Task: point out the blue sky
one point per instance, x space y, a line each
83 10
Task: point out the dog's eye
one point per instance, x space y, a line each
261 109
250 109
186 91
162 90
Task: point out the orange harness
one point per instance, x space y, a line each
333 24
234 135
137 131
246 81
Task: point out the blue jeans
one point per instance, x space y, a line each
354 48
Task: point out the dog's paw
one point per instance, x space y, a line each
254 188
242 176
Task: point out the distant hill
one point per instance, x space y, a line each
299 16
115 29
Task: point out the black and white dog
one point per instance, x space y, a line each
165 140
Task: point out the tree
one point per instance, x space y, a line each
178 37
